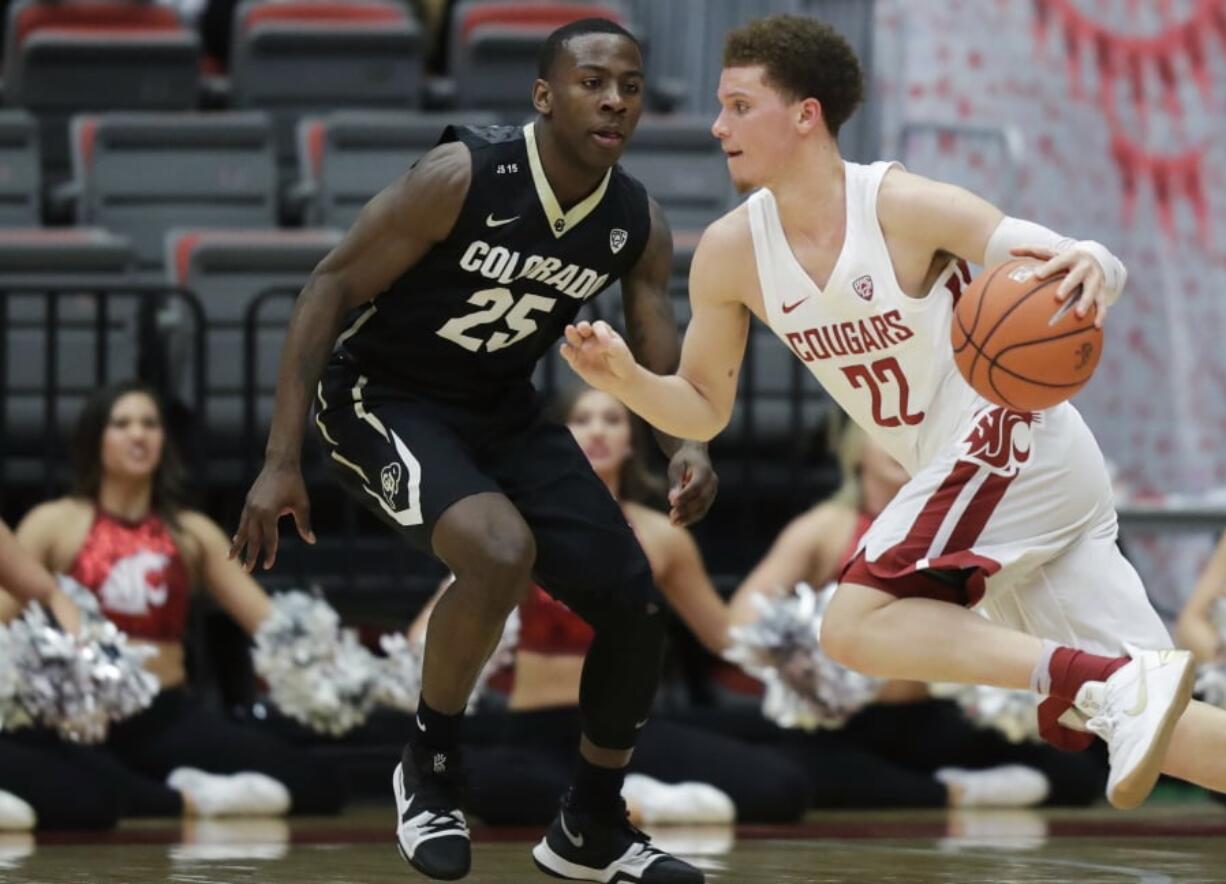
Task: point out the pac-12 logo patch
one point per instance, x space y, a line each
389 478
863 286
617 239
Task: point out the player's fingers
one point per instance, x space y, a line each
1077 277
253 543
240 537
1032 252
1053 266
302 521
572 336
1100 315
568 353
584 328
271 542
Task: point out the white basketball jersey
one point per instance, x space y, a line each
884 357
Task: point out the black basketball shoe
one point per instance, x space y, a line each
431 832
584 846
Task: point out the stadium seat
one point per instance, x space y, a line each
347 157
19 172
139 174
227 270
495 45
310 57
66 57
32 261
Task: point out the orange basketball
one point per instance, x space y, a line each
1010 346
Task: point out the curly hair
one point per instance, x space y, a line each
803 58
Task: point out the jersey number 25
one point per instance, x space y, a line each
498 303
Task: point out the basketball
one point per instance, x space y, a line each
1017 345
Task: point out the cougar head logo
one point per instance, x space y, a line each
1001 440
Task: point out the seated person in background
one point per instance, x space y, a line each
126 536
74 799
906 749
1195 629
518 782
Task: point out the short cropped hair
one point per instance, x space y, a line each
803 58
556 42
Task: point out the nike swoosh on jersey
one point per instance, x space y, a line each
491 221
788 308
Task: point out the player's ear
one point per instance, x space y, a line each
809 115
542 97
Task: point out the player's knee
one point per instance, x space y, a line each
501 564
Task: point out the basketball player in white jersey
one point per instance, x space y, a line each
856 269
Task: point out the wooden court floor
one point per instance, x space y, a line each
1166 843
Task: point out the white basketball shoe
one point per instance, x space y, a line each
1135 712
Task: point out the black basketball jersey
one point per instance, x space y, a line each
476 313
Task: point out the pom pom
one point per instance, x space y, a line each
317 673
74 684
782 648
399 672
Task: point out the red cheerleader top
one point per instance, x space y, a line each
137 574
546 626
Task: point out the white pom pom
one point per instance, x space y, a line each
804 687
317 673
399 672
75 684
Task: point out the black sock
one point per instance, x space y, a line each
435 730
596 788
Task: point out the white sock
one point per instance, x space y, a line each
242 794
16 815
1040 678
1010 785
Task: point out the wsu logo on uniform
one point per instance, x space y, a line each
1001 440
135 584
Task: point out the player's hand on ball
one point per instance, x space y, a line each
692 484
278 491
1083 270
598 354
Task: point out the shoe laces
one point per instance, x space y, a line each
445 821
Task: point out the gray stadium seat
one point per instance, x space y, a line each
31 260
347 157
140 174
227 269
683 167
19 172
494 47
65 57
297 58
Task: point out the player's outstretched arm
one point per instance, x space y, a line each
1195 629
932 216
393 232
654 341
695 402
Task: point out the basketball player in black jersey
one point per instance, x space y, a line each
417 337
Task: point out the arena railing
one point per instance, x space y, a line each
114 307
